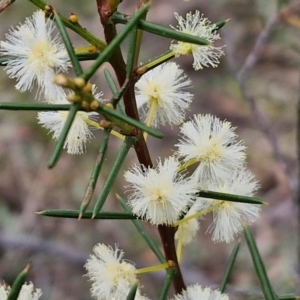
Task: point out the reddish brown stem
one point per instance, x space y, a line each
166 233
118 64
167 236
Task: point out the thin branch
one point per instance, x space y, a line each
117 62
298 153
119 66
167 235
5 3
241 76
263 124
253 56
262 39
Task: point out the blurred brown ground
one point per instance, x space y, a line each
58 248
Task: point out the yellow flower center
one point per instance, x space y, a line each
119 271
159 195
184 48
41 52
153 89
213 151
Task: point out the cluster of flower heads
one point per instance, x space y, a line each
160 93
27 292
164 194
113 278
161 195
36 55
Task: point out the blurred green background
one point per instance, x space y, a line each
58 248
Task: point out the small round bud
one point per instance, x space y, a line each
73 18
48 7
73 98
109 105
61 80
171 263
105 124
141 70
93 49
79 82
86 105
88 88
94 105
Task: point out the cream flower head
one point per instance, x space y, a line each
79 133
211 143
228 217
195 24
27 292
159 194
161 96
37 54
187 230
112 277
196 292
